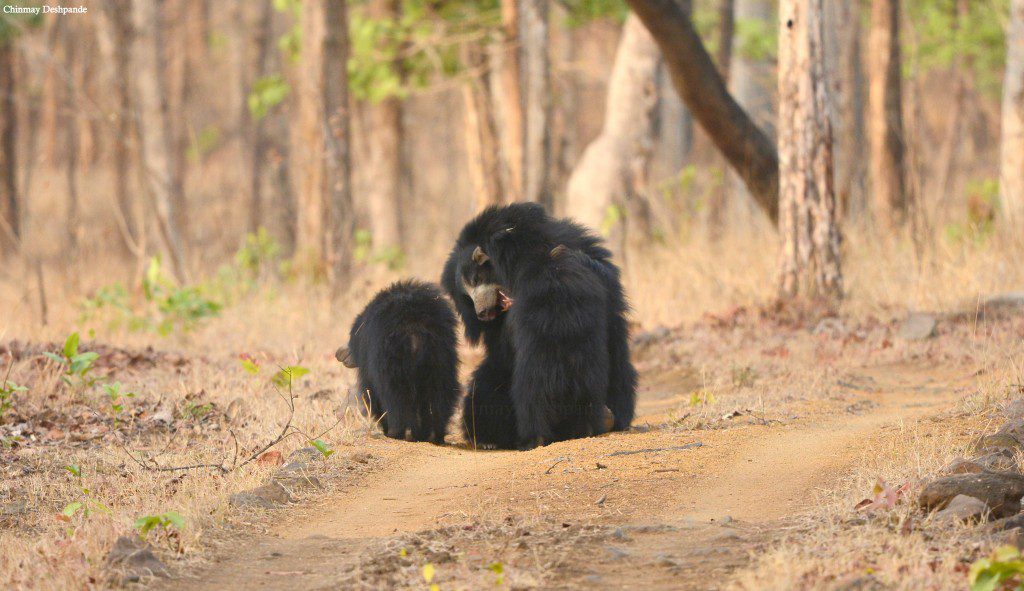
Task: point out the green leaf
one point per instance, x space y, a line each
175 519
287 376
74 469
71 345
56 358
322 447
146 523
250 366
71 508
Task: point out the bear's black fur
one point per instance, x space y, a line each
404 345
492 380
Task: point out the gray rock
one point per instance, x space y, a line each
1001 492
918 327
267 496
1005 301
996 442
304 455
616 553
991 462
619 534
864 583
135 559
962 508
1007 523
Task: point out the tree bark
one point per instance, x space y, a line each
482 145
744 145
885 132
843 57
307 141
258 143
1011 161
537 99
155 141
336 127
726 30
69 123
608 183
10 210
510 98
386 139
115 35
810 265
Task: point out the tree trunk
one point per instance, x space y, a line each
10 211
115 35
607 184
1011 169
754 83
386 138
726 30
886 116
744 145
154 139
336 126
69 123
307 141
177 59
807 206
843 57
537 99
258 144
509 98
482 144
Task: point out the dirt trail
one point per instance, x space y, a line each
755 475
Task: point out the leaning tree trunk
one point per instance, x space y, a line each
807 205
1011 169
744 145
537 100
68 121
336 126
607 184
154 139
386 139
885 131
10 213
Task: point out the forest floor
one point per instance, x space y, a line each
758 433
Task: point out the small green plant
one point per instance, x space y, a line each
196 411
249 364
8 390
176 306
161 522
1003 569
84 506
322 447
115 396
287 376
499 573
701 398
77 366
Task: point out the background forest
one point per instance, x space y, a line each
195 131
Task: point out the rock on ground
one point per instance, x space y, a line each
1001 492
918 327
962 508
135 558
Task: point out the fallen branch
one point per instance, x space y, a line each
632 452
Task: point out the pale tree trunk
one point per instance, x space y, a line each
509 99
69 122
1011 169
536 61
336 129
115 37
807 206
482 143
885 128
609 180
717 201
753 83
10 212
726 30
307 140
258 144
385 137
846 79
154 138
747 149
176 54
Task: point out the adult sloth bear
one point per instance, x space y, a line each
403 344
471 277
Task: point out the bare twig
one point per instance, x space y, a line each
631 452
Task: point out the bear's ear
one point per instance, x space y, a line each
479 256
503 233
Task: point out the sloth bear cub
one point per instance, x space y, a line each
403 344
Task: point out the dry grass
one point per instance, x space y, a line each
284 323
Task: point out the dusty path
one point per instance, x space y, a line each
674 517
